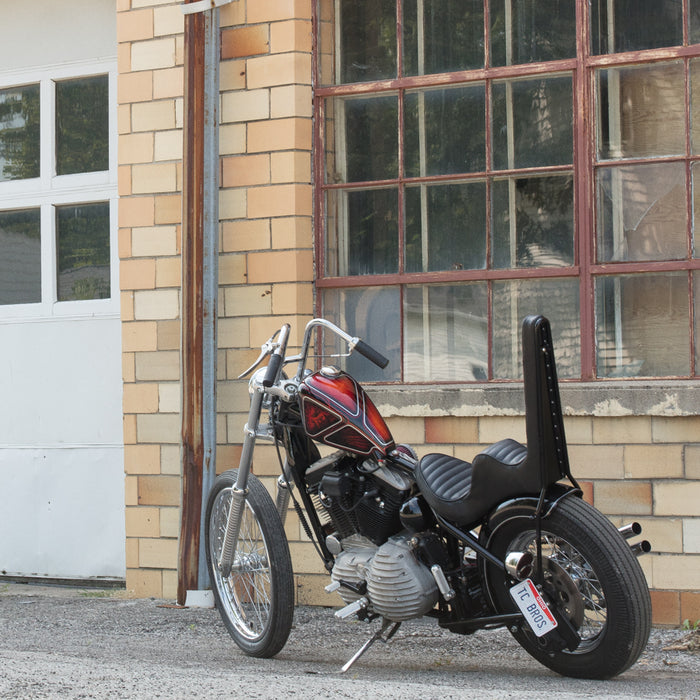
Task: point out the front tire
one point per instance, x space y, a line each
256 601
592 577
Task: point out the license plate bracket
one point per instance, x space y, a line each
533 607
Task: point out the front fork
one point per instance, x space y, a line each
240 488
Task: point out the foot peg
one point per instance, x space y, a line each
386 624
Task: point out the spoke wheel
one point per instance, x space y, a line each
591 577
256 601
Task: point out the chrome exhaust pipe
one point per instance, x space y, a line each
519 565
639 548
631 530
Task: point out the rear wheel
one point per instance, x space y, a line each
591 577
256 600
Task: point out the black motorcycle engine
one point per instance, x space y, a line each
359 496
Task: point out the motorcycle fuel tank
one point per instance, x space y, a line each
337 411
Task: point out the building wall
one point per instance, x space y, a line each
634 464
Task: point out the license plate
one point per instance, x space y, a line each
533 607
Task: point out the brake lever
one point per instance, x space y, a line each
266 349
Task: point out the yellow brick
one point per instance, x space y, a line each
232 204
136 211
142 459
154 177
156 304
278 135
579 430
137 274
677 498
149 241
291 166
622 430
292 35
232 139
170 584
131 491
153 116
168 209
168 145
127 306
124 184
135 25
169 398
232 397
293 298
153 54
407 429
232 75
232 269
244 41
665 534
287 266
692 461
623 497
169 522
135 87
128 369
159 428
232 14
169 335
677 429
291 101
305 560
276 10
142 522
310 590
246 235
158 553
279 200
161 366
149 3
142 583
141 397
249 300
654 461
597 461
159 490
241 171
261 327
278 69
132 554
292 232
495 428
170 459
168 82
130 430
245 106
451 429
233 332
168 272
679 572
168 20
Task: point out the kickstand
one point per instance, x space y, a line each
377 636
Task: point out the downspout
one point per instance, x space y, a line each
200 246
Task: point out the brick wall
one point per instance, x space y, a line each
644 468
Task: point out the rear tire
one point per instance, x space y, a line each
256 601
594 580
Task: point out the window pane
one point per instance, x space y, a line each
442 37
558 300
82 125
533 222
20 256
19 133
373 314
362 232
445 131
526 31
532 123
696 287
367 37
83 251
694 6
696 209
642 214
446 227
695 104
367 137
642 325
632 25
641 111
446 333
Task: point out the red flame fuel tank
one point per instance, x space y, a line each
337 411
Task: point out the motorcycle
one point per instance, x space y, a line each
504 541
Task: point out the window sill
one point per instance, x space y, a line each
609 399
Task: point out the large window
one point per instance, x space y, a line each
481 160
56 192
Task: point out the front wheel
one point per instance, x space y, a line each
593 579
256 600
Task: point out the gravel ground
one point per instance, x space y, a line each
69 643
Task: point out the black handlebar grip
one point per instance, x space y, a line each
272 370
371 354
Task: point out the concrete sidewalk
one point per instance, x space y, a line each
73 643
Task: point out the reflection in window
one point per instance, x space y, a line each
558 300
642 325
641 111
446 333
442 37
634 25
533 222
374 314
19 133
446 227
82 143
641 212
445 131
532 123
527 31
20 256
83 251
